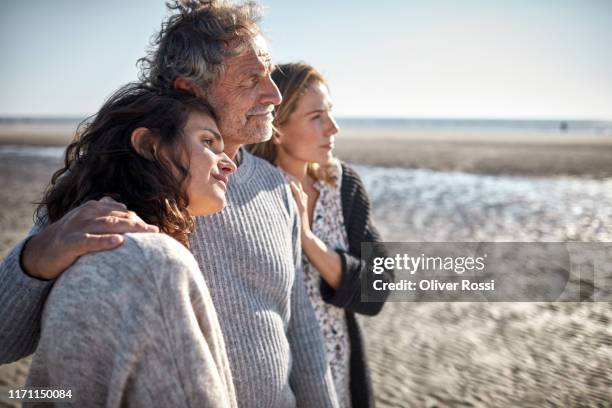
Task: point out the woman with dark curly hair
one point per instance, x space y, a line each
335 219
136 325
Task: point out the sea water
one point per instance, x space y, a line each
426 205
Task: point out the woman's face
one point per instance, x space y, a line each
209 167
308 134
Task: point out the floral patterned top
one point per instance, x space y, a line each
328 225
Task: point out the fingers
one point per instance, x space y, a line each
123 214
119 225
301 199
92 208
295 191
95 243
294 180
297 187
107 199
112 202
130 218
105 216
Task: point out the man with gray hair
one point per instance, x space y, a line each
249 253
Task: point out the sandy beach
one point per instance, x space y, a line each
495 152
443 186
490 152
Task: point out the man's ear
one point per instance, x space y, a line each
144 142
187 85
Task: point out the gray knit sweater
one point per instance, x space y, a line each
250 256
134 327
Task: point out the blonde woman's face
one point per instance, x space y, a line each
308 135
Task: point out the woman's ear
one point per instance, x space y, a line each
277 136
144 142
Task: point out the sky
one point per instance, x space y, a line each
514 59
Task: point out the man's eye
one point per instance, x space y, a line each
207 142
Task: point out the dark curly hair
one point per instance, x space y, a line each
101 160
195 40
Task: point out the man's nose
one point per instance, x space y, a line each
270 93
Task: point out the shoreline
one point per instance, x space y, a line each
490 153
476 152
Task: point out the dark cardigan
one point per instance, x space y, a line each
359 228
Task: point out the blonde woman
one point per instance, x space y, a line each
335 219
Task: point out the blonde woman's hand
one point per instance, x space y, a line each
325 259
301 199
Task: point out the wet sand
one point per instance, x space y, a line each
22 180
477 152
453 354
490 354
490 152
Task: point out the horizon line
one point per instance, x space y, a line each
352 117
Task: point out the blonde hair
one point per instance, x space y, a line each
293 80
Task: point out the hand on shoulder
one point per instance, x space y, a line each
93 226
